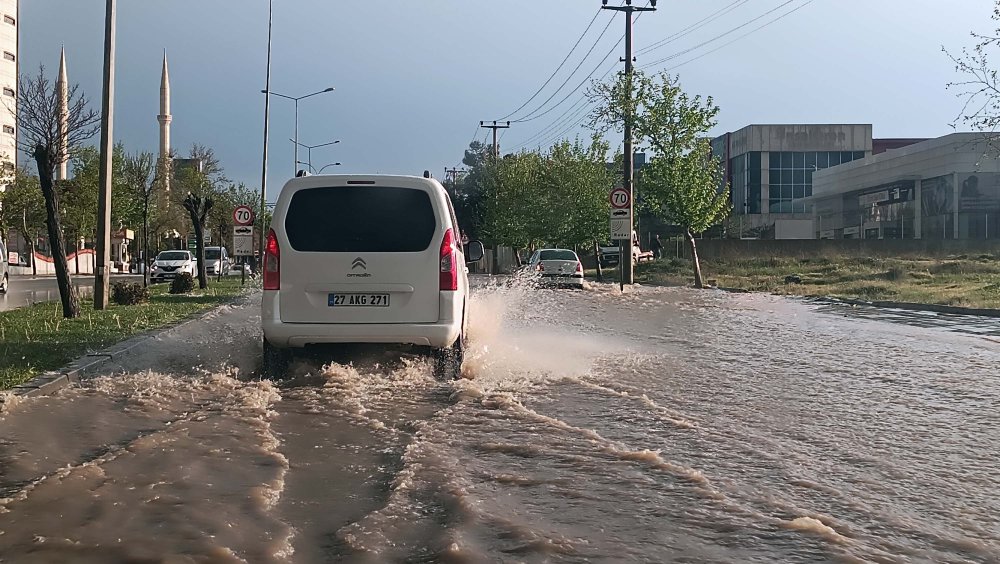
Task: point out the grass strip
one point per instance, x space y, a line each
961 281
36 338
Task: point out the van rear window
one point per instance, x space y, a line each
356 219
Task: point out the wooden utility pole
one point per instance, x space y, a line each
625 256
103 275
495 127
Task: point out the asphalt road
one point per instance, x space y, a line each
27 290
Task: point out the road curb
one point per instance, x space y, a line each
53 381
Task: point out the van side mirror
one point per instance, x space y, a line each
474 251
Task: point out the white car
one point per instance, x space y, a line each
169 264
365 259
216 260
560 267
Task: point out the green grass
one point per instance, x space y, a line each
37 338
955 281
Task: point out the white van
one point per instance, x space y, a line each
365 259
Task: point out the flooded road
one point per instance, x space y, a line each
659 425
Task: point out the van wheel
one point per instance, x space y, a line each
275 362
448 362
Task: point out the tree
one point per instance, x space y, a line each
138 175
683 183
980 91
22 209
198 208
42 127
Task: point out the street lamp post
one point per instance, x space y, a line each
309 149
296 100
313 170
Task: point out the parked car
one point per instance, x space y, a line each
169 264
240 267
560 267
365 259
4 269
216 260
610 255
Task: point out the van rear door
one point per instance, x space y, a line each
361 253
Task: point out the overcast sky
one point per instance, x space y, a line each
413 78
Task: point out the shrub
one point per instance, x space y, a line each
183 283
123 293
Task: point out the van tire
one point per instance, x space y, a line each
3 284
448 361
274 365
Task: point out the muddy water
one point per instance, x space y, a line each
660 425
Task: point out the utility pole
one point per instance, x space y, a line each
452 173
625 256
494 127
267 116
103 274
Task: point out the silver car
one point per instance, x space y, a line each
557 267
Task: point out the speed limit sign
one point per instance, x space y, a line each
243 215
620 198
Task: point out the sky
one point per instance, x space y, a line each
413 78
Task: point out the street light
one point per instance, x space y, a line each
310 148
320 171
296 100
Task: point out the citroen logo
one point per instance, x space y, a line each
359 263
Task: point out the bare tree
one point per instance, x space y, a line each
980 90
198 208
42 127
139 169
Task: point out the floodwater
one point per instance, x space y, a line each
659 425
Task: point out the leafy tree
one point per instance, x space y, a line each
681 183
141 187
42 127
22 209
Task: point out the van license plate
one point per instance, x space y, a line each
358 300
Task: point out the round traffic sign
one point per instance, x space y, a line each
243 215
620 198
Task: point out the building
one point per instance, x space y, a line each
944 188
770 169
8 79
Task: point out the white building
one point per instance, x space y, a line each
944 188
8 79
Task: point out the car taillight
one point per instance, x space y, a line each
579 267
272 263
449 262
540 267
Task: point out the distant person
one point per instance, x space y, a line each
657 247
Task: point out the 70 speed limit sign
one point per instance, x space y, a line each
620 198
243 215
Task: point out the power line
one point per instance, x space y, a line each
529 117
555 72
734 40
559 120
717 37
693 27
555 124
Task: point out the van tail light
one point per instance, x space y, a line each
272 262
449 262
579 268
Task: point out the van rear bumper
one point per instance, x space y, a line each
285 335
440 334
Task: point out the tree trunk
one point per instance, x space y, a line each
70 300
199 237
597 257
698 283
145 247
